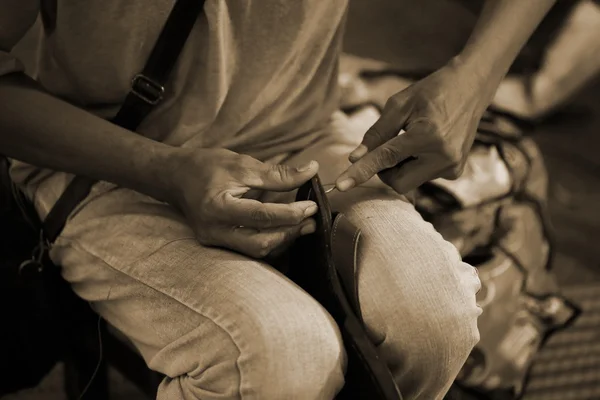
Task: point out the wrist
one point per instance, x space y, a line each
471 69
157 167
476 74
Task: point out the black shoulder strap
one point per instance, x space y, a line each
147 90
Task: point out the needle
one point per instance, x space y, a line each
331 189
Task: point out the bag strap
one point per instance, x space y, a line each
147 89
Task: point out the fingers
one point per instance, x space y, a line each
275 177
453 172
260 243
388 155
255 214
393 118
411 175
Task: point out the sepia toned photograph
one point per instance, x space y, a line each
300 199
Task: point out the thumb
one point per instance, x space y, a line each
389 125
281 178
386 156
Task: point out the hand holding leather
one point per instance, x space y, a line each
209 186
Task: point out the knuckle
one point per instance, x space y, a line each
454 172
436 139
458 170
394 103
455 157
211 202
241 167
204 238
263 248
208 205
261 215
451 154
451 175
279 172
388 156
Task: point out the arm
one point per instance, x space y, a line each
439 114
502 29
207 185
40 129
570 61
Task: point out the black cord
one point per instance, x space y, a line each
100 358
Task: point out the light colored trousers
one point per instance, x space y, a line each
220 325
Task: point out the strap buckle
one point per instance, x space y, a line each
146 89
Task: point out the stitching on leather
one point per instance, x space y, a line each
355 241
336 223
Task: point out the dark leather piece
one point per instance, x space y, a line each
320 263
345 240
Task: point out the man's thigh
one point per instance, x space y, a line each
138 264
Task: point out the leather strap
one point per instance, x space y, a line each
345 241
339 237
147 89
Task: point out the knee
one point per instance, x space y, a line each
299 354
288 350
428 333
437 322
419 301
447 327
434 329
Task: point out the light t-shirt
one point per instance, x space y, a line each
256 76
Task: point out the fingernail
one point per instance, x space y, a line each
345 184
359 152
311 210
305 167
307 228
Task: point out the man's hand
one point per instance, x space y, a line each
209 185
438 117
440 112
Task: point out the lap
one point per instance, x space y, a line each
137 261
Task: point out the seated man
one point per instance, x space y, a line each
170 246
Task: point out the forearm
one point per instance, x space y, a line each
40 129
503 28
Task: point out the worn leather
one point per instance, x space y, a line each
325 265
345 240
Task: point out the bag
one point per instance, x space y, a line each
495 214
33 297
